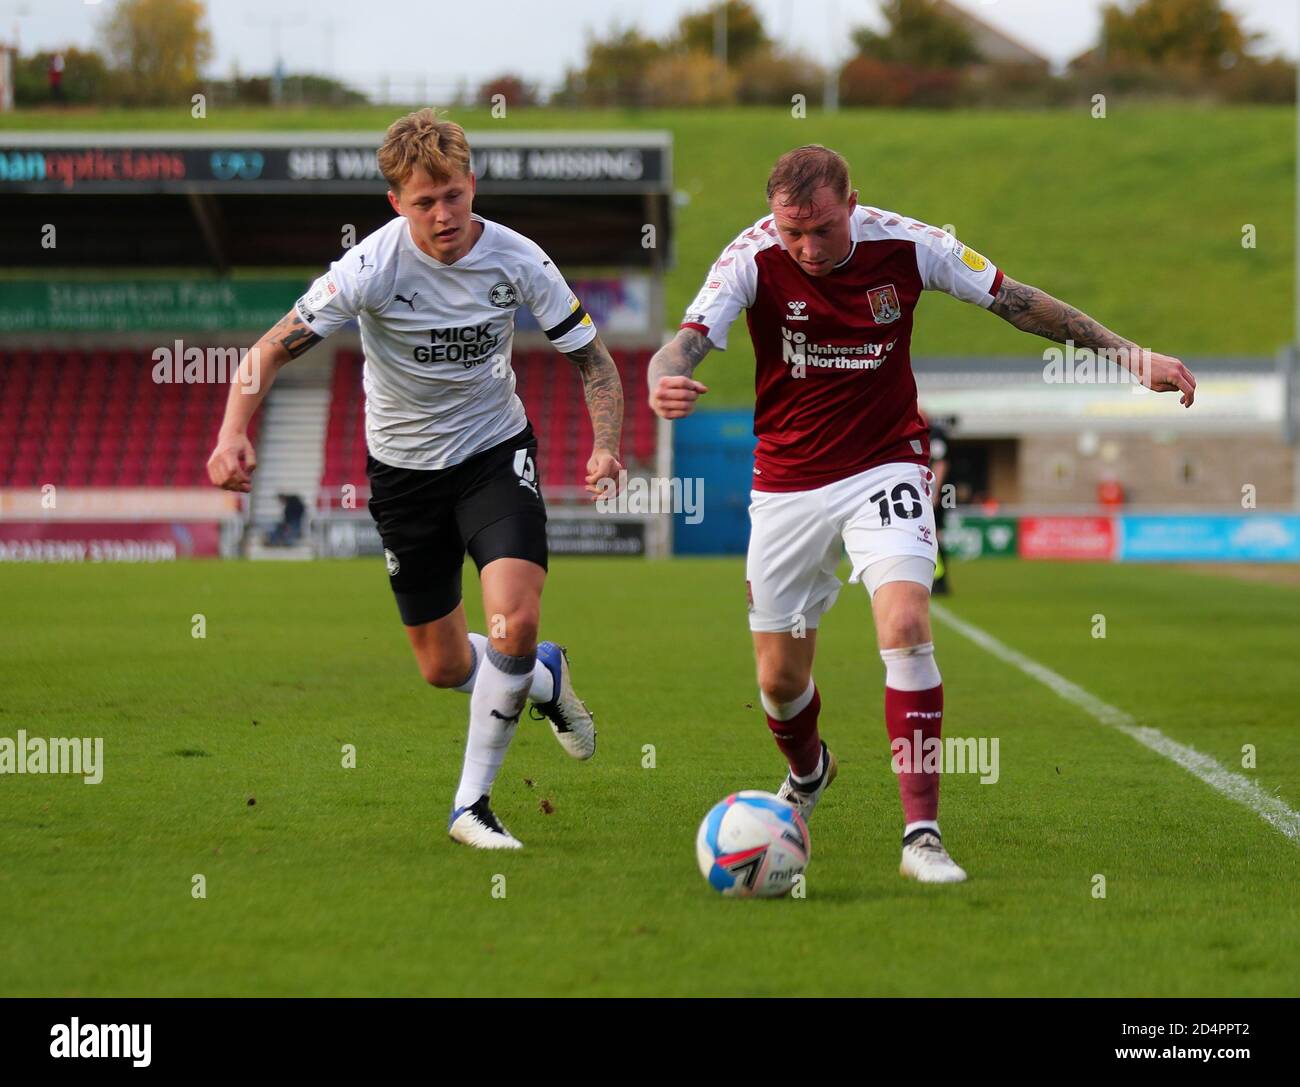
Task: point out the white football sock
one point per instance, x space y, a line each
543 683
500 691
911 669
921 824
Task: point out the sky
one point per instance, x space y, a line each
437 44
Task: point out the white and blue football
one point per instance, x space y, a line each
752 845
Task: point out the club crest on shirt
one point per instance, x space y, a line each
503 295
885 307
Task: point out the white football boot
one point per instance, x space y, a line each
926 861
477 826
804 797
570 719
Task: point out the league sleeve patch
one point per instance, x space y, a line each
322 293
972 259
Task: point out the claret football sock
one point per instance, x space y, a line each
500 691
794 727
913 716
543 683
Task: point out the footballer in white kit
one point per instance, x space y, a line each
452 456
829 288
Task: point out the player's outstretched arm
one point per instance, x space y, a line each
673 391
233 459
1037 312
604 392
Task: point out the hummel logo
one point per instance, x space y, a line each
796 311
502 717
409 301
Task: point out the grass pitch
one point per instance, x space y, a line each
223 757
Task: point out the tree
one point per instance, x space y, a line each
157 48
85 78
615 71
920 34
689 79
1195 33
745 36
514 91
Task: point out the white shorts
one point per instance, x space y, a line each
883 518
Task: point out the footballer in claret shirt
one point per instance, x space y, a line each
830 290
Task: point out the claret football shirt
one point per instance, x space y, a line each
834 388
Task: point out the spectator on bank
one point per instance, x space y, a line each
289 531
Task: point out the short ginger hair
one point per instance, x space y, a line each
423 139
798 174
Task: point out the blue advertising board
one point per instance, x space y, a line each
717 448
1247 537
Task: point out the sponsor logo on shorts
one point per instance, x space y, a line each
526 470
390 560
749 594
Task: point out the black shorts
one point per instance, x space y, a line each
489 505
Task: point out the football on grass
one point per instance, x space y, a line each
752 845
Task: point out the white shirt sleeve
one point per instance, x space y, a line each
729 288
557 309
950 266
335 298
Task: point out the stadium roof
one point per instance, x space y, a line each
275 199
506 162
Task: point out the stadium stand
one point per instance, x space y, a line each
551 391
97 419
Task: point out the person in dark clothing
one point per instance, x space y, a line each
289 531
56 78
939 466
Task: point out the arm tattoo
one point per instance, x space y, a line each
679 356
604 392
292 334
1037 312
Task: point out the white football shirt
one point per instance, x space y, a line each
437 337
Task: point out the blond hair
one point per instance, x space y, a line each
423 139
798 174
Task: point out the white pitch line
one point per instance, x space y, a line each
1231 784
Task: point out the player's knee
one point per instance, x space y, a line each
515 632
781 682
904 627
444 674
